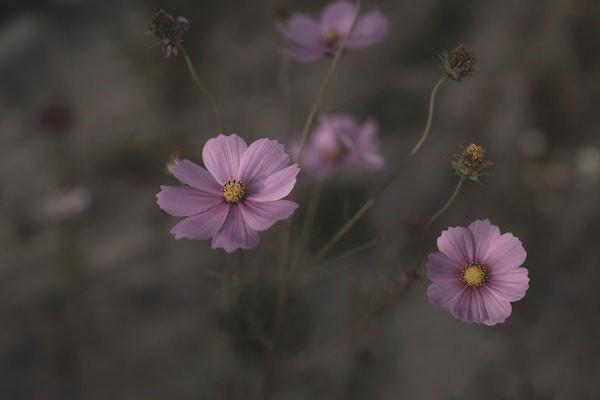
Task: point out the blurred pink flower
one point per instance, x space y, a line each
315 38
477 273
338 142
240 194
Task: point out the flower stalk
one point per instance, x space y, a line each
203 89
373 198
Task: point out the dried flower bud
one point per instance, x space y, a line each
457 63
173 158
169 30
471 163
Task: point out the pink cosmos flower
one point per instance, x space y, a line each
477 273
315 38
240 194
338 142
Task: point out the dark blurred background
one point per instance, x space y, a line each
97 301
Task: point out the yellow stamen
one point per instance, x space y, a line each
474 275
234 191
332 37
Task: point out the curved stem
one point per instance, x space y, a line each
325 85
307 223
203 89
446 206
429 115
371 200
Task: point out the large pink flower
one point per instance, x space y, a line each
339 142
314 38
477 273
240 194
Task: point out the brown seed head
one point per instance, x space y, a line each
458 63
471 163
169 30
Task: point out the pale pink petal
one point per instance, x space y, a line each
275 186
457 243
505 253
261 216
440 268
367 146
478 312
510 285
185 201
497 309
460 306
304 54
303 30
369 29
263 158
203 225
485 235
445 295
195 176
338 16
222 155
235 233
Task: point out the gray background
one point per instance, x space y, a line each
101 302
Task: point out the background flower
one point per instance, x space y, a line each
313 39
339 142
477 273
240 194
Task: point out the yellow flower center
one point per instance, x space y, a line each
332 37
336 153
474 275
234 191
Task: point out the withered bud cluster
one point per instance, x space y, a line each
471 163
169 30
458 63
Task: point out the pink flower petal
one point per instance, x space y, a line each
510 285
195 176
203 225
304 54
261 216
442 269
485 235
263 158
457 243
222 155
497 309
505 253
478 312
369 29
275 186
185 201
303 30
235 233
367 147
337 16
445 295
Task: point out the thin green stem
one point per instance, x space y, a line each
284 287
324 86
203 89
373 198
446 206
309 218
429 115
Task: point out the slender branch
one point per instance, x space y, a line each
284 287
203 89
373 198
309 218
325 85
429 115
446 206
